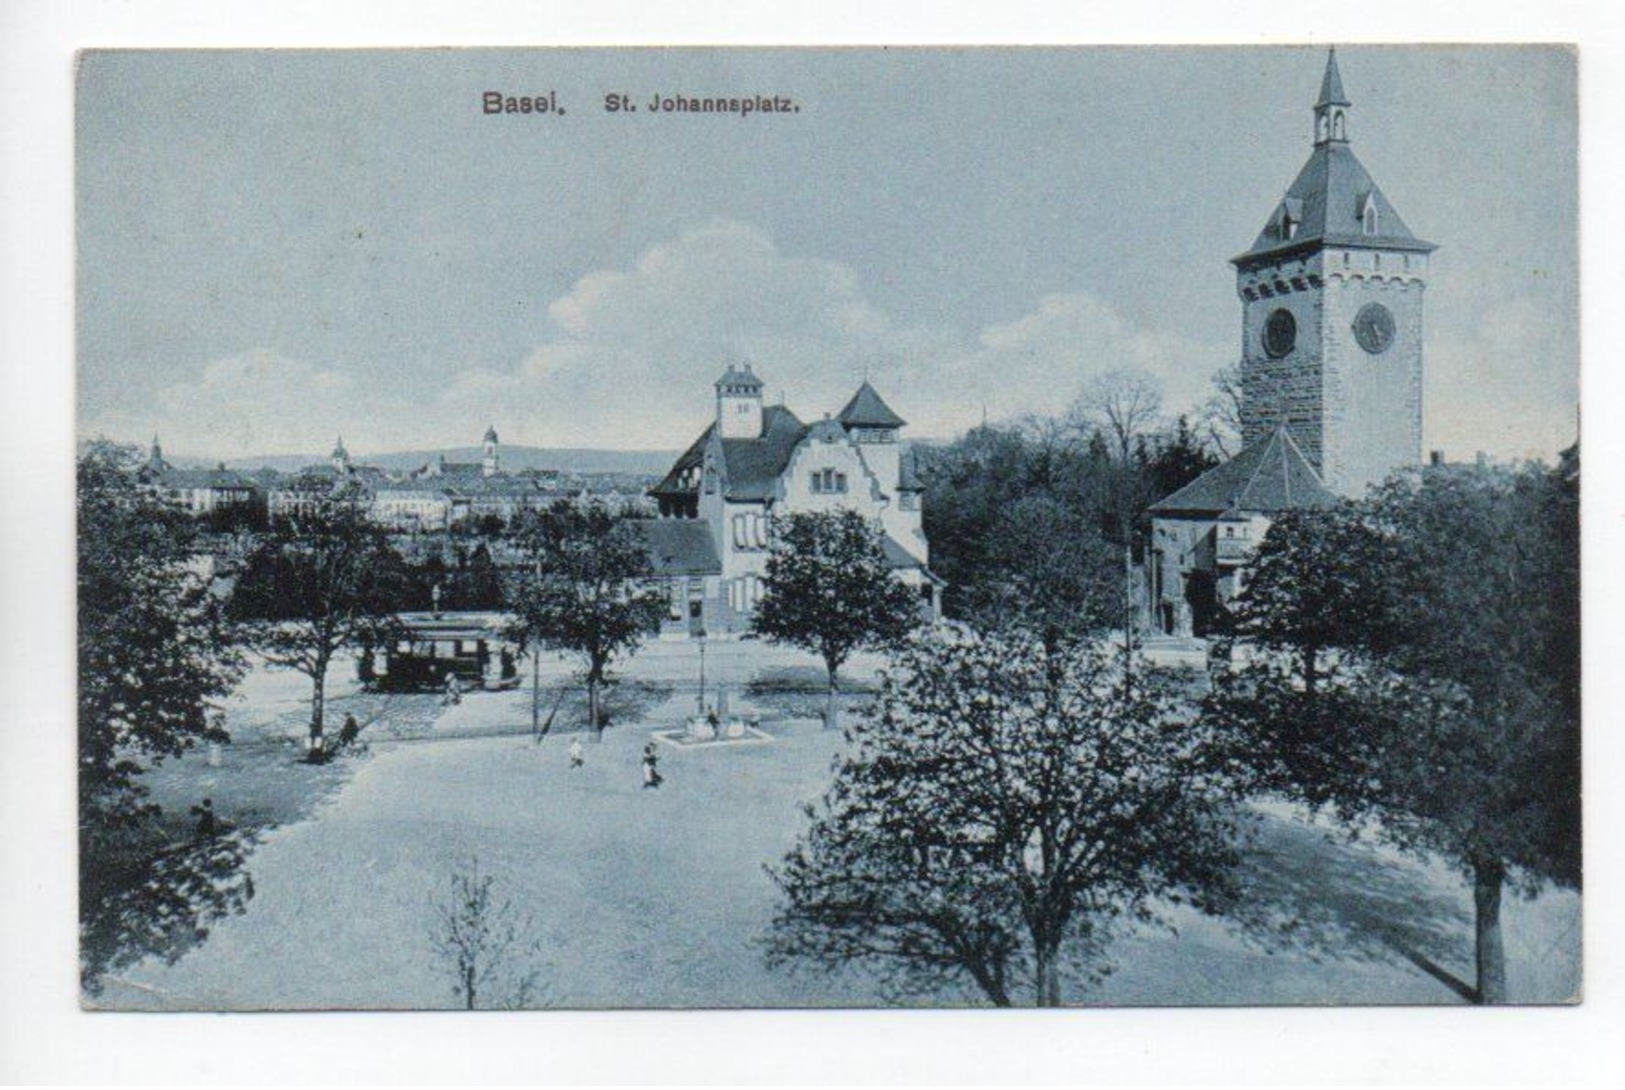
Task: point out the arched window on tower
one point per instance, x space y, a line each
1338 132
1322 129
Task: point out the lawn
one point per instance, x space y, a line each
660 898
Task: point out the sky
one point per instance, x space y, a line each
278 248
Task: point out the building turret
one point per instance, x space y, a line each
341 457
155 459
491 464
739 404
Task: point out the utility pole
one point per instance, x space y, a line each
535 692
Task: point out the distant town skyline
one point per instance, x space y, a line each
278 248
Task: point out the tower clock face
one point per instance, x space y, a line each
1280 333
1374 328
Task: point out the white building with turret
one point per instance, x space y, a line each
755 462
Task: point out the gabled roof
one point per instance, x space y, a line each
220 477
900 559
679 546
671 484
415 487
867 410
1328 197
1271 475
751 466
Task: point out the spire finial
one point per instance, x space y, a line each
1331 106
1331 84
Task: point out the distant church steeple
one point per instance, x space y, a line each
1332 105
491 463
341 457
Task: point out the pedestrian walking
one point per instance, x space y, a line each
206 825
651 770
454 690
577 757
349 731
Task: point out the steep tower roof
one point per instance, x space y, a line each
867 410
490 434
1333 201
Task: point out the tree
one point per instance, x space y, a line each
155 664
1048 571
1430 680
1221 413
994 816
324 581
830 590
480 941
1123 404
586 590
1179 458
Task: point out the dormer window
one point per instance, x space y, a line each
1368 215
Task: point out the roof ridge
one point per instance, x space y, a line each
1263 458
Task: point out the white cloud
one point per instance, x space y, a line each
637 350
257 402
633 354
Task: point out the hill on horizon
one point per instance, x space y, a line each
514 458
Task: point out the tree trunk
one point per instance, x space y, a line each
1047 970
832 710
1490 954
592 710
318 700
468 989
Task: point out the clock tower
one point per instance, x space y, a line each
1331 294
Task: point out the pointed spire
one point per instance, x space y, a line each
1332 107
1331 84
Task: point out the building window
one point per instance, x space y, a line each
750 530
828 481
744 593
909 501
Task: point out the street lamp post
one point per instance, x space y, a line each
702 673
